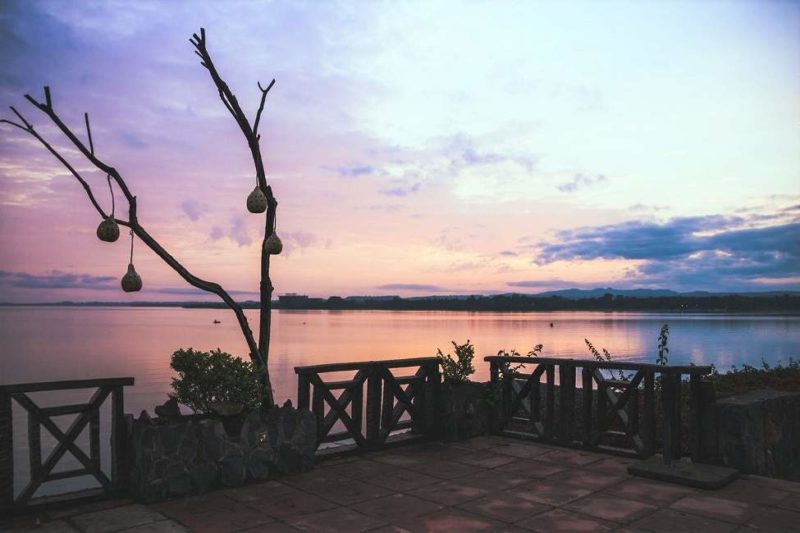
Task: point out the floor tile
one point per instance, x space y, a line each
561 520
531 468
504 507
116 519
670 521
610 508
450 521
292 504
336 520
485 459
715 507
396 507
648 491
449 493
550 491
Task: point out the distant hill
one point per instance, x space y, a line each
582 294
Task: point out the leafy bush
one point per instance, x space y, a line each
208 377
536 351
663 349
779 377
458 369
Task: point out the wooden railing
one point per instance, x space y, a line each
388 398
614 414
38 417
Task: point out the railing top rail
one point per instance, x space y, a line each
589 363
394 363
63 385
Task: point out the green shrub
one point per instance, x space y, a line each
783 376
458 369
536 351
208 377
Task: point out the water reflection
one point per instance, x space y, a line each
42 344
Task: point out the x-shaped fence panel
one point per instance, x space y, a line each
388 398
87 414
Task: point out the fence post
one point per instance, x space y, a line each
303 393
6 452
374 406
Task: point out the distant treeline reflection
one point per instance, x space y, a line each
783 303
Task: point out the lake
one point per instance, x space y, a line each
55 343
59 343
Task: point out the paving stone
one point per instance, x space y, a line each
612 465
116 519
589 479
791 502
494 482
485 459
447 469
483 442
272 527
292 504
531 468
505 507
213 512
715 507
648 491
396 507
402 480
610 508
447 521
165 526
336 520
401 460
521 450
362 468
670 521
780 484
437 451
551 492
775 519
56 526
561 520
348 491
449 493
59 513
571 457
744 491
684 472
258 492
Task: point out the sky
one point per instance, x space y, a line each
414 147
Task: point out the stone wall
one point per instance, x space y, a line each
193 455
759 433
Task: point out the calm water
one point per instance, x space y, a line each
43 344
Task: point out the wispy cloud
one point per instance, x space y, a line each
57 280
580 181
402 191
411 287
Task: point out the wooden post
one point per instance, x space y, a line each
696 416
566 402
303 392
550 401
35 444
94 436
374 406
668 405
587 406
318 408
649 414
387 407
6 453
119 444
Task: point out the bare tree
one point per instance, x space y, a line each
260 200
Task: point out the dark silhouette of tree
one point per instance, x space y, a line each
261 200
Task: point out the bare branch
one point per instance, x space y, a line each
19 116
89 132
47 96
20 126
261 106
133 222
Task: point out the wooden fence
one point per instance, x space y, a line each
612 414
38 417
388 397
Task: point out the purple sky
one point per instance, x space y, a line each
414 147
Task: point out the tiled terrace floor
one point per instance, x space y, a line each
485 484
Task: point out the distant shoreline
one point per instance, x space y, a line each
786 303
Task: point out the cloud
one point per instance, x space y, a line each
580 181
402 191
194 291
238 232
356 171
216 233
508 253
708 251
411 287
57 280
193 209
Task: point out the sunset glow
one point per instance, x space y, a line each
414 147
